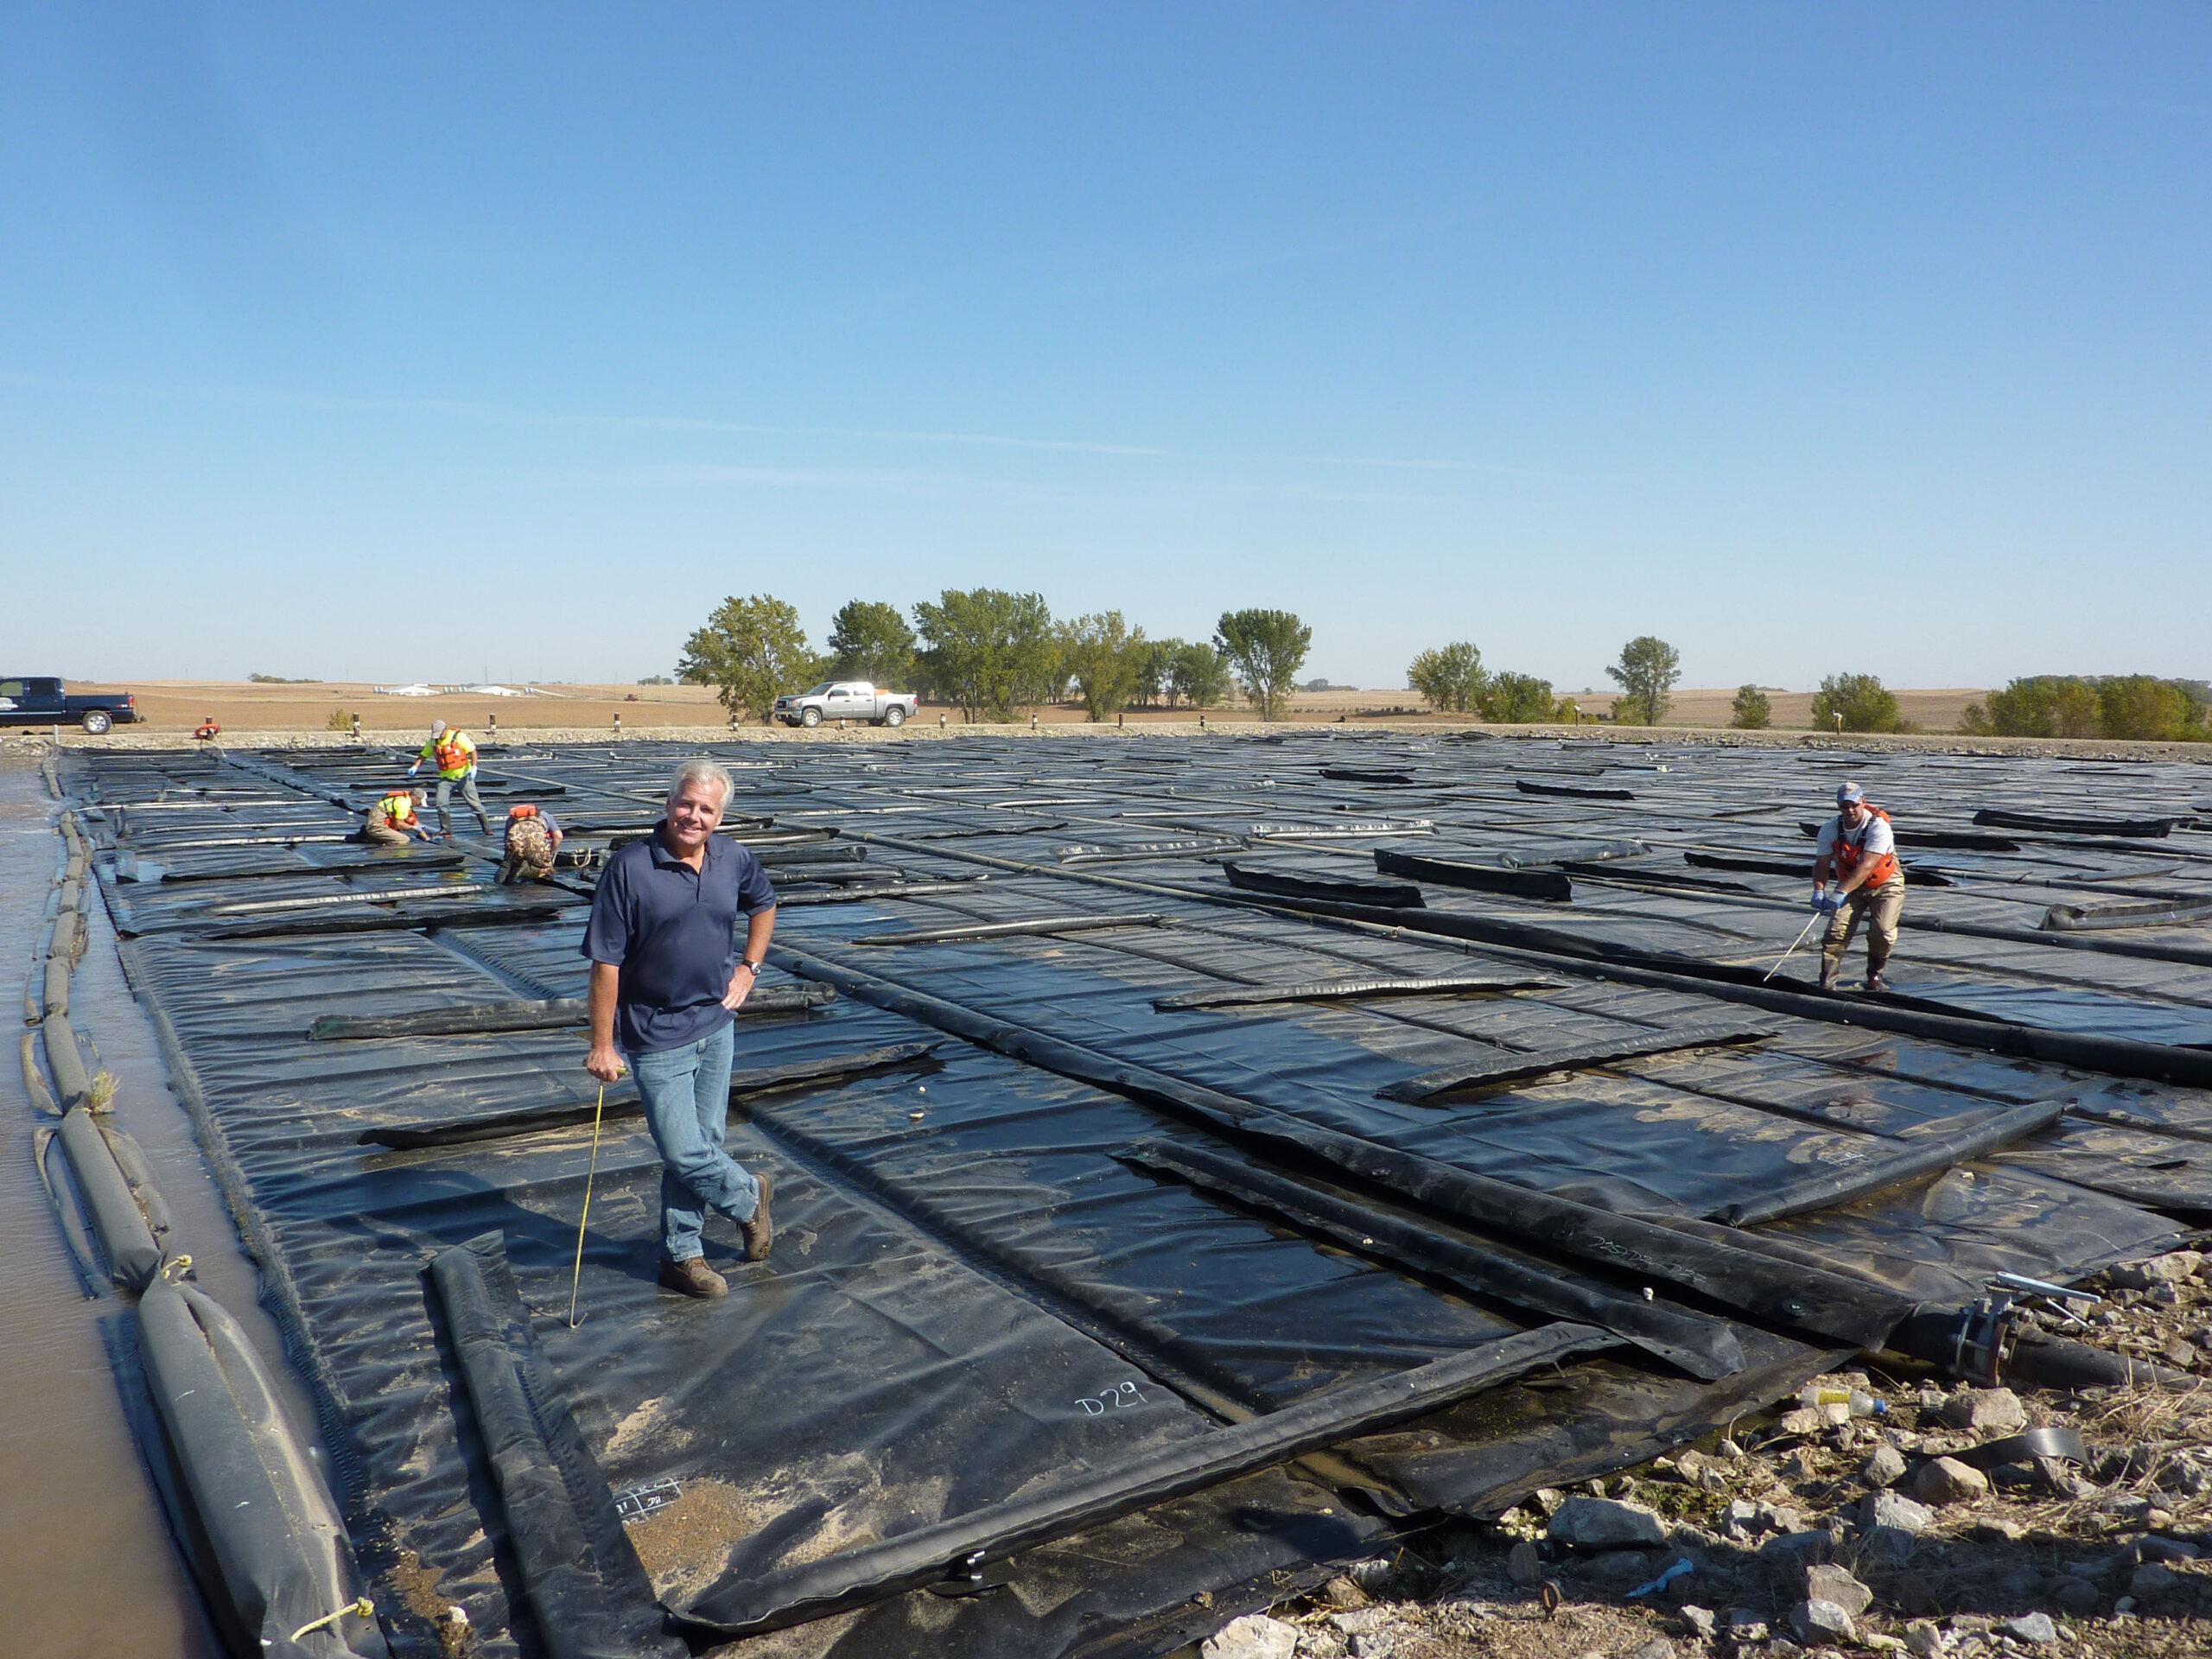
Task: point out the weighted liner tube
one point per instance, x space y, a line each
558 1014
2133 828
56 992
1769 1290
59 1039
267 1519
1705 1348
1329 990
760 1080
1258 877
581 1577
125 1238
1913 878
1011 930
1476 878
2069 919
2157 1062
1924 1155
913 1559
1510 1066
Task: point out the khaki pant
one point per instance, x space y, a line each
467 784
378 833
1882 906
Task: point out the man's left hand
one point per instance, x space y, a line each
740 987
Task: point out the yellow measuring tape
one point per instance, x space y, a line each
365 1607
576 1281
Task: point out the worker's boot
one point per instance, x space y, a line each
1875 980
1829 972
693 1277
760 1231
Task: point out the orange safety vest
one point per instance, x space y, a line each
1847 854
398 809
524 810
454 752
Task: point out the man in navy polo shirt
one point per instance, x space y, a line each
666 976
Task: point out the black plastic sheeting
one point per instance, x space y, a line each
1138 1176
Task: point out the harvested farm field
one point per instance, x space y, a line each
1301 1191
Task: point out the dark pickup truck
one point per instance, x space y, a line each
32 702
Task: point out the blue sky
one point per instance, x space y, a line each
407 341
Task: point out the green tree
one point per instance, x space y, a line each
753 649
2139 706
1861 700
2043 705
1450 677
1517 699
870 640
1155 673
1751 712
1266 649
1199 674
1106 658
1646 673
987 650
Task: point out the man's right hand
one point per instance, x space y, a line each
605 1062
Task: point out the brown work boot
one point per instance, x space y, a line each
1827 977
693 1277
760 1231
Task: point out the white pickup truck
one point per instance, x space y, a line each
847 700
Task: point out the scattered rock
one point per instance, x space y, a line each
1799 1420
2030 1627
1746 1626
1921 1638
1700 1619
1658 1648
1253 1637
1523 1566
2154 1579
1341 1592
1885 1468
1619 1569
1730 1450
2169 1270
1548 1499
1819 1624
2155 1548
2076 1597
1828 1583
1997 1529
1740 1518
1913 1592
1946 1480
1881 1643
2180 1354
1894 1511
1374 1645
1360 1619
1606 1523
1985 1411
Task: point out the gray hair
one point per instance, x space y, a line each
701 770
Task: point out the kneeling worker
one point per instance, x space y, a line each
533 836
1857 850
666 976
391 821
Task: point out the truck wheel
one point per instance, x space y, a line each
96 721
811 717
894 716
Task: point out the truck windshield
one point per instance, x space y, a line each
820 690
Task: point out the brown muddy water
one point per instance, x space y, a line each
87 1570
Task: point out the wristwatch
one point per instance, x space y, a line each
751 968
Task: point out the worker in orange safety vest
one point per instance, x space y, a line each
449 749
533 836
1857 851
391 821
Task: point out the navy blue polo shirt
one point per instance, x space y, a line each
672 932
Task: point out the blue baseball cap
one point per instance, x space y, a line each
1849 793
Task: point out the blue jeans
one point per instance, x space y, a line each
686 1095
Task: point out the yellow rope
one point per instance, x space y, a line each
365 1607
576 1281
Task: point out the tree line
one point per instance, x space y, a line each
992 653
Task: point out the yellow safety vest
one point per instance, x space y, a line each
398 809
454 752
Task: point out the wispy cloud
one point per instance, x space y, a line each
510 415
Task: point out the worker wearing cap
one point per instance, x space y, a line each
450 750
1858 853
391 821
533 836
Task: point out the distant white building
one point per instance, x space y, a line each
417 690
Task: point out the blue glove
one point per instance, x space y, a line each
1827 903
